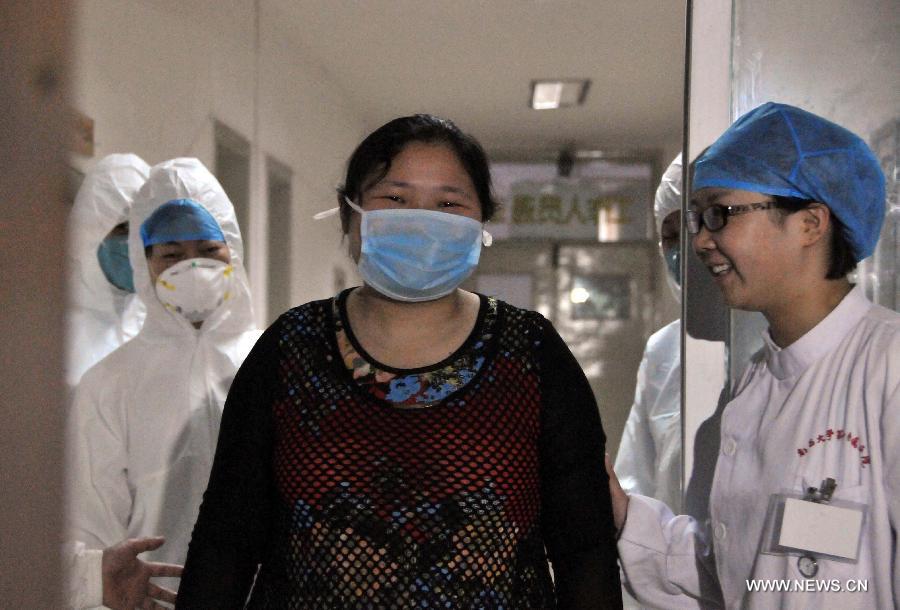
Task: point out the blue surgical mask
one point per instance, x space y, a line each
112 254
417 255
672 257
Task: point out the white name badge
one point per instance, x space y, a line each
821 529
796 526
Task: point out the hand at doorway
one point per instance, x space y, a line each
619 497
126 579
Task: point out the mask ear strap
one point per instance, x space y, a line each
333 211
326 214
354 206
486 238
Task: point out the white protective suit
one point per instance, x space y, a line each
83 566
649 458
101 317
791 423
145 420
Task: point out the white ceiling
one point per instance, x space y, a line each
473 61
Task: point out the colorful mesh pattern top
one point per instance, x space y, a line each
420 387
345 498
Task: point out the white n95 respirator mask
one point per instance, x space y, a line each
195 288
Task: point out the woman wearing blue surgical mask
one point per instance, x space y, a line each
407 443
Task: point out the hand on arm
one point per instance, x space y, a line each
126 578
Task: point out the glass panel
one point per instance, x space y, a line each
841 61
705 316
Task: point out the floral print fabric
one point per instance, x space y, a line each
417 388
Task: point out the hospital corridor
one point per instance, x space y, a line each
395 304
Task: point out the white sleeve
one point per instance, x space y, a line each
636 458
99 500
84 578
890 434
666 559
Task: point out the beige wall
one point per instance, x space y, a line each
155 75
32 248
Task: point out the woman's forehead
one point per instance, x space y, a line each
424 157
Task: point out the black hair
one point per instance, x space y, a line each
840 255
371 160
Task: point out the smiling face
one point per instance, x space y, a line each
753 259
422 176
162 256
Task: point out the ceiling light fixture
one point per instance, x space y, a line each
549 94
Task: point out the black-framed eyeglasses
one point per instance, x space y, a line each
716 216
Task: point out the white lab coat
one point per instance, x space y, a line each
100 317
145 420
843 375
649 457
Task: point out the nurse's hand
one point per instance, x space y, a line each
619 497
126 579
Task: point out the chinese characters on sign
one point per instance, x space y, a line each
596 209
551 208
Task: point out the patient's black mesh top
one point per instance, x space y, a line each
347 493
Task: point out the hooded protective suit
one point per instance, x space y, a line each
101 317
649 457
145 420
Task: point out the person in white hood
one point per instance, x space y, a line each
104 311
144 423
649 458
804 505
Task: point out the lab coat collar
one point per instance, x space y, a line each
820 340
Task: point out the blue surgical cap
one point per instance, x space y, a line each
778 149
180 220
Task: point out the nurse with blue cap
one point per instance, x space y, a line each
805 502
144 421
